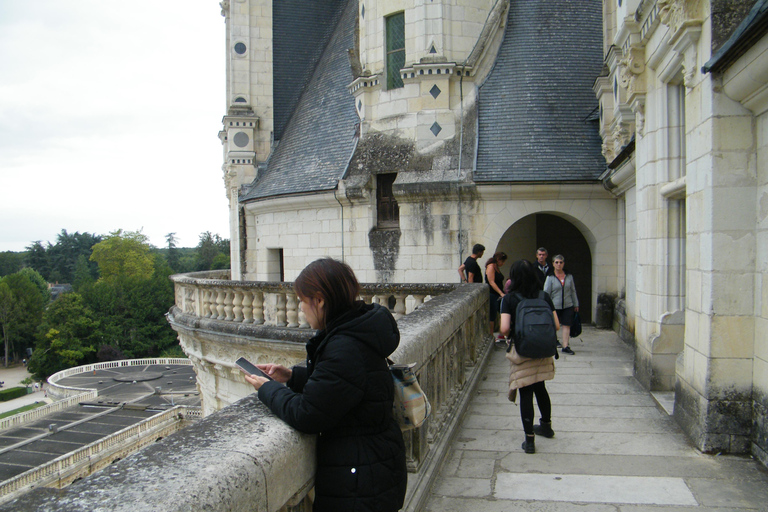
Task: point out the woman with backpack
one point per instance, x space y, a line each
560 287
527 375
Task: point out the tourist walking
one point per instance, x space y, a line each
542 266
527 375
495 280
561 288
470 269
344 393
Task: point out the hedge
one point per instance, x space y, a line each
11 393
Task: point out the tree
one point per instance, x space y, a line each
68 336
30 294
124 255
8 313
10 262
173 253
209 247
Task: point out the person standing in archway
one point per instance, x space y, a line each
542 266
495 280
470 266
561 288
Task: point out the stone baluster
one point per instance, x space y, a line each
208 305
399 306
247 306
291 305
229 305
280 310
367 297
258 307
221 296
418 301
237 305
303 324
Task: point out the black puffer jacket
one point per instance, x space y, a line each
345 395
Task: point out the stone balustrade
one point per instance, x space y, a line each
240 456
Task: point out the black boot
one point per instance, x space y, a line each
544 428
529 446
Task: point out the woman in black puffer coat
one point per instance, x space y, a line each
344 394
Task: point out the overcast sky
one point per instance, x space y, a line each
109 114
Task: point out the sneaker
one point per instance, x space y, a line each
567 350
529 446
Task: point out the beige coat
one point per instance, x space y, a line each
524 371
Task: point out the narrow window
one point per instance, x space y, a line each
395 49
275 265
386 205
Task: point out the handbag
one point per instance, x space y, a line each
576 325
411 406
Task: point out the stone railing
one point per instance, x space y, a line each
35 414
212 295
59 391
269 466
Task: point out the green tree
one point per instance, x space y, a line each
124 255
68 336
30 295
83 275
9 310
173 252
10 262
209 247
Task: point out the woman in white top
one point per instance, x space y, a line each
562 290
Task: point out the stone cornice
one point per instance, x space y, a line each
536 191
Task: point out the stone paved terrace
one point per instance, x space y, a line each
615 449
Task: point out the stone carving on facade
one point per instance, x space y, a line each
631 66
674 13
638 107
224 8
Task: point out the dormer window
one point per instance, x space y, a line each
395 33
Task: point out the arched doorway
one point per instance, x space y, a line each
559 236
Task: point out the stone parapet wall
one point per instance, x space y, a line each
242 458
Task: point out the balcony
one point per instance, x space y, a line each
240 456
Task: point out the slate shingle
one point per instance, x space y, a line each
320 136
535 107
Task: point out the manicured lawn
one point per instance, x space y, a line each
22 409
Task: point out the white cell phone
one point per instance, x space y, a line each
250 368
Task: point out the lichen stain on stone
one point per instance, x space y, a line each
424 213
385 246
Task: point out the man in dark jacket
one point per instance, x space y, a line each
544 268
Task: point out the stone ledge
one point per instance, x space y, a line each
225 462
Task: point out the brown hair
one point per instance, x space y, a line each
332 280
496 258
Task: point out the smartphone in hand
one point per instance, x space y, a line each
251 369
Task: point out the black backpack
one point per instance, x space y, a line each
535 333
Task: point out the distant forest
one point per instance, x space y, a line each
111 303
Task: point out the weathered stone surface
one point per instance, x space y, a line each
224 462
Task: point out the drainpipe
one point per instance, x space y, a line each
343 176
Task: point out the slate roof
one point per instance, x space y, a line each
752 28
300 32
535 107
320 136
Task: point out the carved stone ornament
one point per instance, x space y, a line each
673 13
224 8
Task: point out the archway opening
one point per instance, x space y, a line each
559 236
